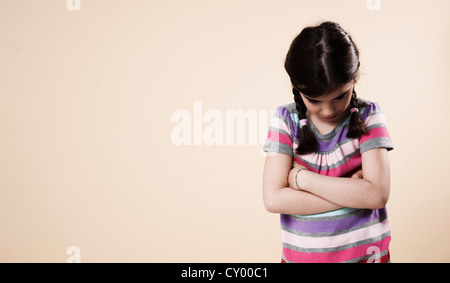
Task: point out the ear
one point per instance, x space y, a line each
354 100
359 64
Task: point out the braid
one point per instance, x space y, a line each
299 104
308 142
356 127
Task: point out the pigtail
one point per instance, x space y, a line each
356 127
308 142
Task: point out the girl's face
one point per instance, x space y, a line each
329 108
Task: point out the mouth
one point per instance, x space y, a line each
330 118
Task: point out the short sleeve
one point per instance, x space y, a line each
279 137
378 135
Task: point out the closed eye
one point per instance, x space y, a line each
342 96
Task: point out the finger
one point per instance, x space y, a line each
357 175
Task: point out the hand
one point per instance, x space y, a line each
291 178
357 175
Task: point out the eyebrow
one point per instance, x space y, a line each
310 99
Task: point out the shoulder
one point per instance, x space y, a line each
375 123
288 112
368 108
287 109
282 130
286 118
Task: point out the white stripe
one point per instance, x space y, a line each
279 124
375 119
334 157
335 241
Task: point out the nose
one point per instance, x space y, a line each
328 110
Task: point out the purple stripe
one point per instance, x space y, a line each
332 225
372 107
339 137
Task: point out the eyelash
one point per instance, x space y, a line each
341 97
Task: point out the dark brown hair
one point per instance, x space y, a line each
320 60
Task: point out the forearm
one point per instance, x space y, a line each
289 201
347 192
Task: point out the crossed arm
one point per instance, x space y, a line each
318 193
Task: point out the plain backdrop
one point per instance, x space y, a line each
87 98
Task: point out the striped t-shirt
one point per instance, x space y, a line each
346 234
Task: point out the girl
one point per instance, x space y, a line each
328 173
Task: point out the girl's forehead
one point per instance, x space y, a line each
335 93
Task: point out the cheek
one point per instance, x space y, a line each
312 108
344 104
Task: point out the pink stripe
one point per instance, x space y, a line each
339 256
340 171
279 137
375 133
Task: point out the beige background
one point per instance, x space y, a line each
86 98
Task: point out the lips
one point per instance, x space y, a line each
330 117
